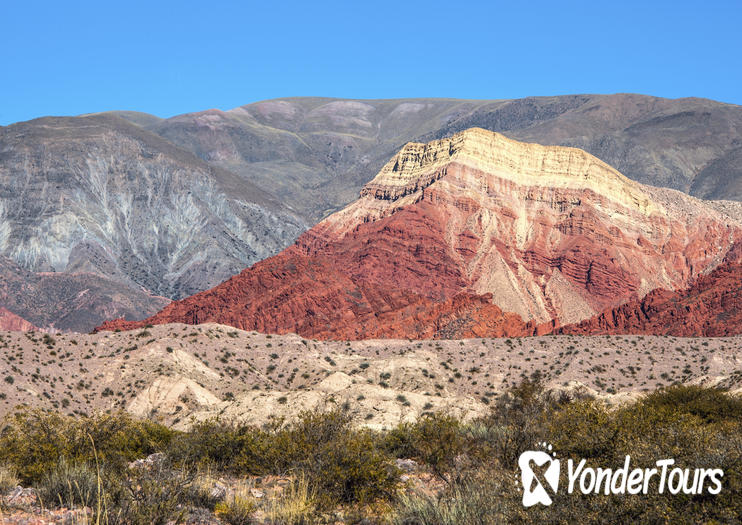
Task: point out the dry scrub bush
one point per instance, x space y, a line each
296 505
238 507
69 485
153 495
8 478
342 463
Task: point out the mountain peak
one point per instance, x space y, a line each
418 165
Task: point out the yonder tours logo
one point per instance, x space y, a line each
540 470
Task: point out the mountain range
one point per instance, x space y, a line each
315 154
160 209
477 235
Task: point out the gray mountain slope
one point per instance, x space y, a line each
100 194
722 178
71 300
314 154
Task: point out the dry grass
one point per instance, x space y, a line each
295 505
238 507
8 478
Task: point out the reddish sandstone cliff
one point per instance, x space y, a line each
452 234
13 322
711 307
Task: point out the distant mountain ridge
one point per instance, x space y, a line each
71 301
327 149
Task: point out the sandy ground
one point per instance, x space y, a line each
174 373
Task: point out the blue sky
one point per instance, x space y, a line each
67 58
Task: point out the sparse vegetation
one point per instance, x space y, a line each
323 460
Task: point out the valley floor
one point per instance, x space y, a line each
175 373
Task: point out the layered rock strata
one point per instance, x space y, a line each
476 234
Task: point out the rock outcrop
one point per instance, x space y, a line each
473 235
710 307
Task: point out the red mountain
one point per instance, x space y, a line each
13 322
476 235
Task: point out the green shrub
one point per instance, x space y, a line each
208 444
583 429
710 404
33 441
435 439
342 463
351 470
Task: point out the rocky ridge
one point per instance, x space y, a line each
11 321
710 307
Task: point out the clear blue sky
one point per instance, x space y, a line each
165 58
